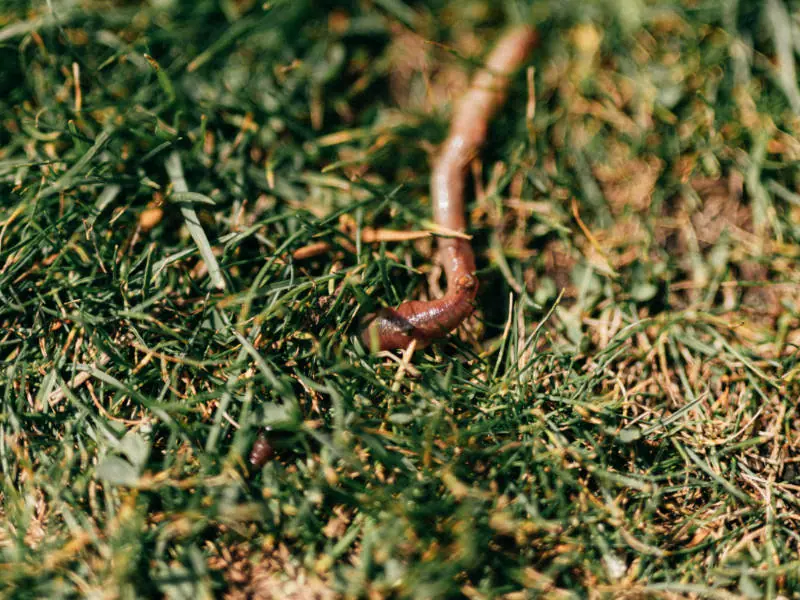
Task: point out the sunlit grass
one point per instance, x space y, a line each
619 418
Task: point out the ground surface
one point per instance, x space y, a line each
619 418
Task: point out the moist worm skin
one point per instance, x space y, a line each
426 321
261 452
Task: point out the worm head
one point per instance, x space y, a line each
386 329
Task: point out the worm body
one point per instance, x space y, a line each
426 321
261 452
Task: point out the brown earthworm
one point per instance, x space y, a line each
261 452
426 321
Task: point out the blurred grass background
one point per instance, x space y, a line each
189 194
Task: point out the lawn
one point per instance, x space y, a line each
201 201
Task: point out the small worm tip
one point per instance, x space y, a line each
387 329
261 452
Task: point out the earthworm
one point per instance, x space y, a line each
426 321
261 452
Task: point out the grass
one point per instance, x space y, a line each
189 198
